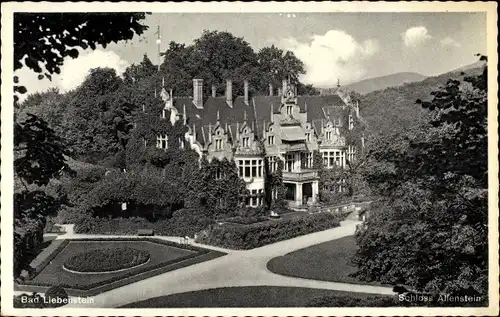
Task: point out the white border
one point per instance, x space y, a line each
7 10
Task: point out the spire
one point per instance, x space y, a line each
338 83
218 116
184 114
158 41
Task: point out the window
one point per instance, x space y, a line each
218 144
162 141
328 135
245 142
289 110
253 199
270 140
351 122
289 162
351 153
218 173
250 168
338 158
309 160
273 163
333 158
181 143
308 137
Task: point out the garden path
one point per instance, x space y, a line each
236 269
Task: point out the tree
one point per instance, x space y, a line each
276 65
41 42
430 229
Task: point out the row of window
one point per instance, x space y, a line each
255 199
162 142
250 168
333 158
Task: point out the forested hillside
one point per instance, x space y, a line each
394 108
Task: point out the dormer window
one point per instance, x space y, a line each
218 144
270 140
289 110
162 141
328 135
245 142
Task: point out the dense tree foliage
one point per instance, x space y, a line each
430 229
41 42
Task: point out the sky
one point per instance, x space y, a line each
345 46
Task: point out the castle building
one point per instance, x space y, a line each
283 127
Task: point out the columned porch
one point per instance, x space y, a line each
301 193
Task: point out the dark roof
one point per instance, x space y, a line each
258 109
315 105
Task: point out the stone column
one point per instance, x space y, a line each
298 194
315 191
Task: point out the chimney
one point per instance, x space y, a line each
284 84
245 87
229 93
214 91
198 93
271 88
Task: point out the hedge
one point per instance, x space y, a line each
106 259
183 223
245 220
258 234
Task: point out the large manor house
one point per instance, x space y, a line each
280 126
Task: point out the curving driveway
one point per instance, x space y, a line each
237 268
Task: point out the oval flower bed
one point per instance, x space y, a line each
106 260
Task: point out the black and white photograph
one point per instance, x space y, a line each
249 159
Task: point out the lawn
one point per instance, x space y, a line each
251 296
164 256
328 261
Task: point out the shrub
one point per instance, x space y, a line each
245 220
262 233
106 259
55 296
184 222
69 215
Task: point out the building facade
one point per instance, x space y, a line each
282 131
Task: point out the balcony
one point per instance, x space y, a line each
300 176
